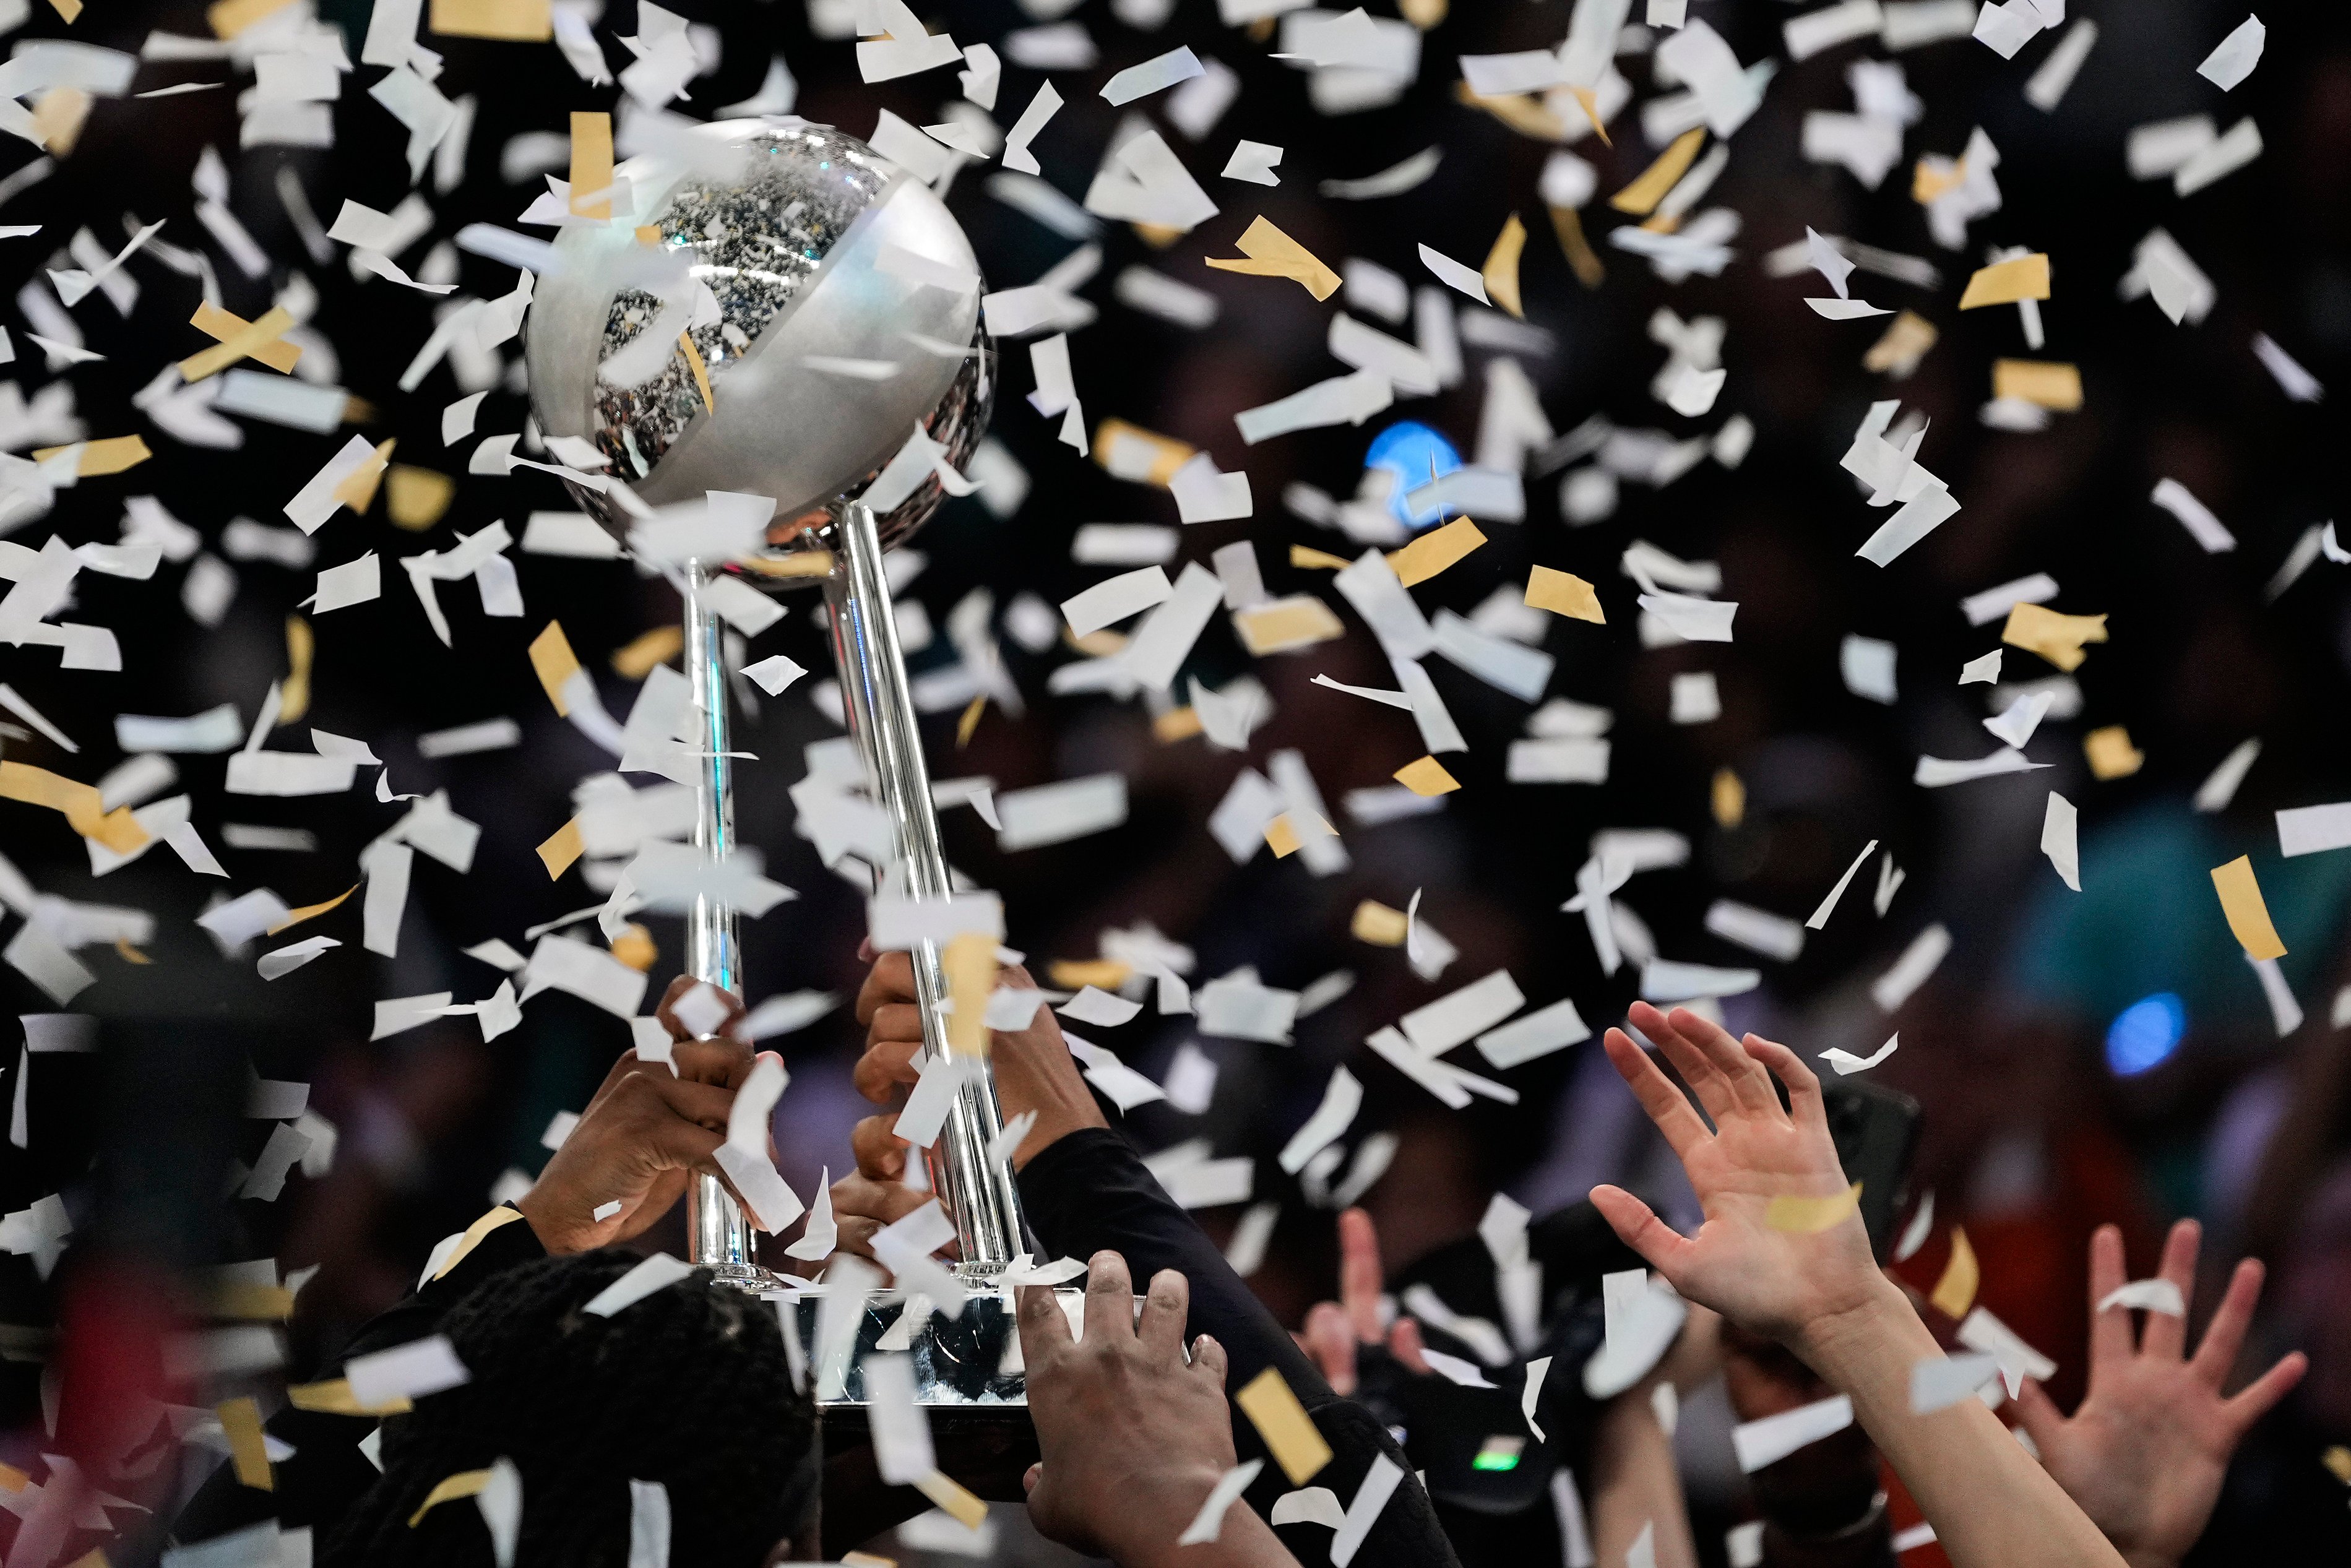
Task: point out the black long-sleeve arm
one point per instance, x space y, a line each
1089 1192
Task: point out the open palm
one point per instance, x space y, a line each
2146 1452
1780 1248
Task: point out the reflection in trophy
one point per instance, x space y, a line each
775 311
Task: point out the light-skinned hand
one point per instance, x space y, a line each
2146 1451
1336 1331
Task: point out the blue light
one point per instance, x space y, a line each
1415 454
2145 1034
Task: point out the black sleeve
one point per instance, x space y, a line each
1088 1193
327 1472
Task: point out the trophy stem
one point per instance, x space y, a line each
719 1236
976 1187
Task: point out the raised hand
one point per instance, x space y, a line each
1336 1331
2146 1451
1774 1280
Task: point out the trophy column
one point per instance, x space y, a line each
719 1236
976 1188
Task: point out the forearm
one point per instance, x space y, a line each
1992 1504
1243 1540
1634 1484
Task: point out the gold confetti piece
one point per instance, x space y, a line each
649 233
474 1232
311 910
417 498
1522 112
636 948
336 1398
223 325
563 847
1501 270
1811 1216
2111 753
358 489
1563 594
2006 282
2337 1459
2249 917
635 659
116 830
866 1560
294 696
230 17
1729 799
69 9
551 656
1282 1422
1312 560
1931 177
1131 452
248 1301
512 21
1378 925
967 723
1098 644
1427 776
93 1558
13 1480
2057 638
1281 835
1176 724
464 1483
240 1422
1641 197
1423 14
592 165
129 955
965 1508
1955 1292
1435 551
1077 974
111 455
1590 100
1905 343
1568 225
1273 254
701 375
58 116
1287 625
2050 384
797 563
248 339
970 964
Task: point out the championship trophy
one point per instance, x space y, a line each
676 339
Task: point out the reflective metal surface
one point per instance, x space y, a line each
789 227
975 1188
720 1234
974 1359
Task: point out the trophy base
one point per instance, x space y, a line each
969 1364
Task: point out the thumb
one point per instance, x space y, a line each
2039 1416
1636 1224
1030 1476
1404 1345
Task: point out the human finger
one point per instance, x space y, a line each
1806 1107
2164 1334
1668 1107
1749 1085
1110 1299
894 1021
2039 1416
1330 1344
1705 1081
1359 1274
1636 1224
881 1152
2224 1337
2111 1339
2257 1399
1405 1344
1209 1360
884 1202
678 989
1166 1304
1044 1332
854 1233
885 1068
891 979
704 1105
718 1060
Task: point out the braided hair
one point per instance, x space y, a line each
688 1388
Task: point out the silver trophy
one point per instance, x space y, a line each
757 245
